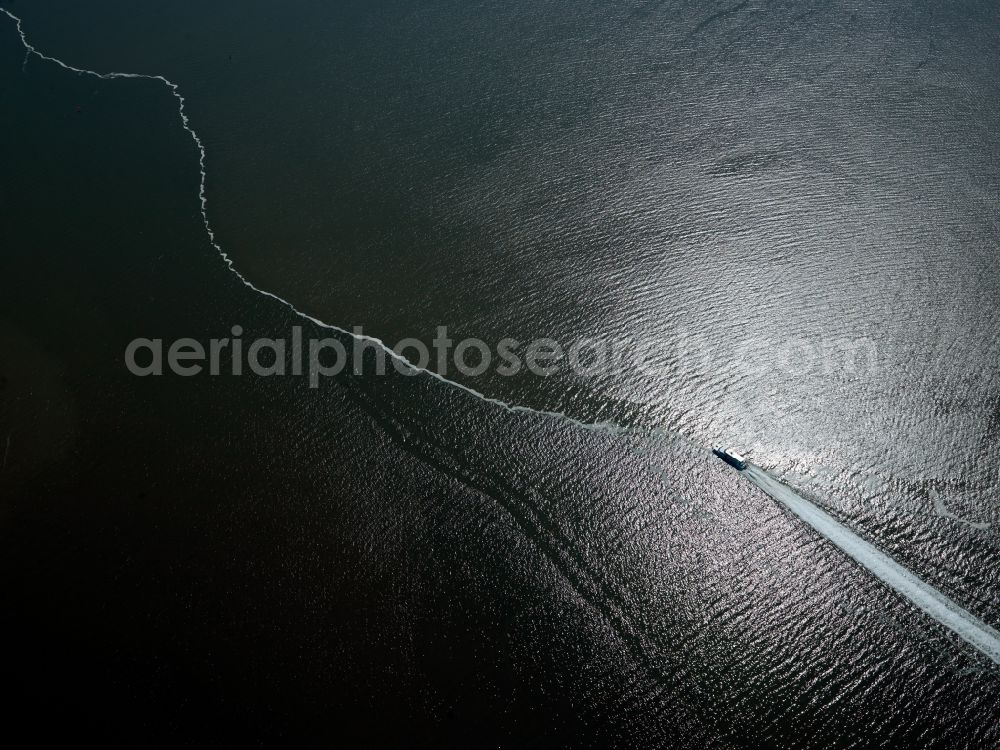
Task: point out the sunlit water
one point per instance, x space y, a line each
759 188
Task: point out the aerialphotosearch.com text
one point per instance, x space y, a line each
318 358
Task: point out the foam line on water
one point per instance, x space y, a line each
906 583
925 597
603 426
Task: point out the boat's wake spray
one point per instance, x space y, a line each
901 580
906 583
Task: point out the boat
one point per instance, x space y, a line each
732 458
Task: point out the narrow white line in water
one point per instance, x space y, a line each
942 510
924 596
604 427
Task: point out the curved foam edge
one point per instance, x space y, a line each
603 426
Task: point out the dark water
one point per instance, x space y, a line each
395 559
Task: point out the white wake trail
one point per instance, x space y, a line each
906 583
602 427
925 597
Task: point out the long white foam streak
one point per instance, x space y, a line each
925 597
605 426
906 583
